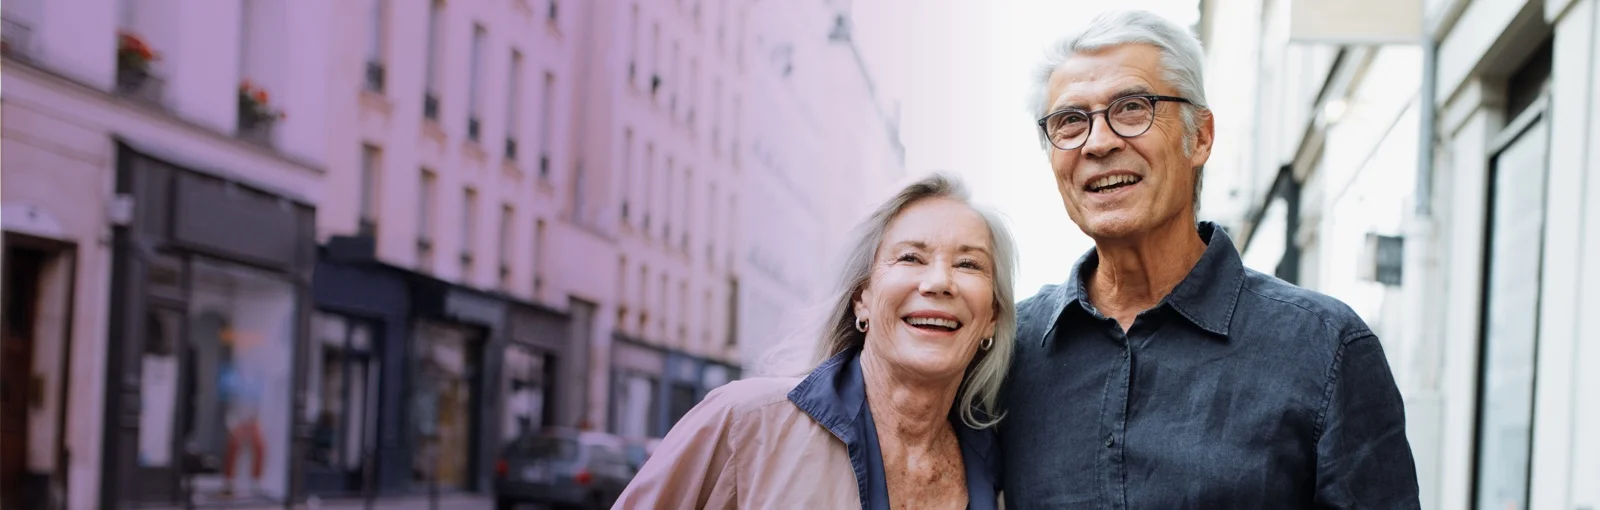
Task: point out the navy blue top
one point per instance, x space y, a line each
835 395
1238 390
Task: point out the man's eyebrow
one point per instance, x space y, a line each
1131 90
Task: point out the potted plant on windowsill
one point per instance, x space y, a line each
134 56
256 115
254 108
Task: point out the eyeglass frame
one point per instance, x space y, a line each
1154 99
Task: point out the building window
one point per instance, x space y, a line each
371 168
663 305
666 206
633 45
377 34
538 258
427 196
655 60
672 104
579 176
687 213
475 84
546 122
469 234
627 171
513 105
716 117
694 89
505 239
430 97
648 200
710 225
644 300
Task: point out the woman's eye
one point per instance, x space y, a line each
909 257
970 264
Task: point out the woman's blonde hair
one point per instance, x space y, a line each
830 327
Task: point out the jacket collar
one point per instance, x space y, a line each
1206 297
835 395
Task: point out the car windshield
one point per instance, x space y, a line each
549 448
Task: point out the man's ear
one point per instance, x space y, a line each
1203 138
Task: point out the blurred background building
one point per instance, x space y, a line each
1431 164
300 248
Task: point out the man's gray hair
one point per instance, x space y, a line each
1182 61
830 327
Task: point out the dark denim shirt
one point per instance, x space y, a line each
835 394
1237 391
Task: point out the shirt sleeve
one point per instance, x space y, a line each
1363 457
693 465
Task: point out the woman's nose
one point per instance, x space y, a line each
936 281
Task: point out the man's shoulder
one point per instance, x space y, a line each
1044 301
1267 298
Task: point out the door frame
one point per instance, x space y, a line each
1515 129
64 253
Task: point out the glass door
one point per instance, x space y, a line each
342 402
1511 319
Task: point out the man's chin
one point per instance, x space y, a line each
1114 227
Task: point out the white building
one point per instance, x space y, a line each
1466 251
127 186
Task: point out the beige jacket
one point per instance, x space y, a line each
761 443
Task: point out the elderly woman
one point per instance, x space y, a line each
900 405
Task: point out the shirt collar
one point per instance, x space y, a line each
835 395
1206 297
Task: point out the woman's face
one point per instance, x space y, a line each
930 298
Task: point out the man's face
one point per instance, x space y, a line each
1151 180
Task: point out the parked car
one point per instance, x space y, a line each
562 468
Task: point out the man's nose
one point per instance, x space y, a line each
1102 140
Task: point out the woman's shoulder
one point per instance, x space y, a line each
755 393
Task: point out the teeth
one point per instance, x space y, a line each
930 321
1112 180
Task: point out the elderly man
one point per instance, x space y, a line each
1164 374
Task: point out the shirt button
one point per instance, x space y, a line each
1109 440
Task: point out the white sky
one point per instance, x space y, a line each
960 71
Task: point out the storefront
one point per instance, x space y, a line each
530 373
653 387
357 358
209 308
457 337
636 373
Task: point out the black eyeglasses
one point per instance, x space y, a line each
1128 116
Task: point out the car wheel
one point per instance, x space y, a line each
504 504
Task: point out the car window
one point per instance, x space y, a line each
548 448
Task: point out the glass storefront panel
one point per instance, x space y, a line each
238 371
524 392
443 404
1510 339
342 392
635 405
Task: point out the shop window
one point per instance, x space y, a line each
444 404
237 377
341 393
523 387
